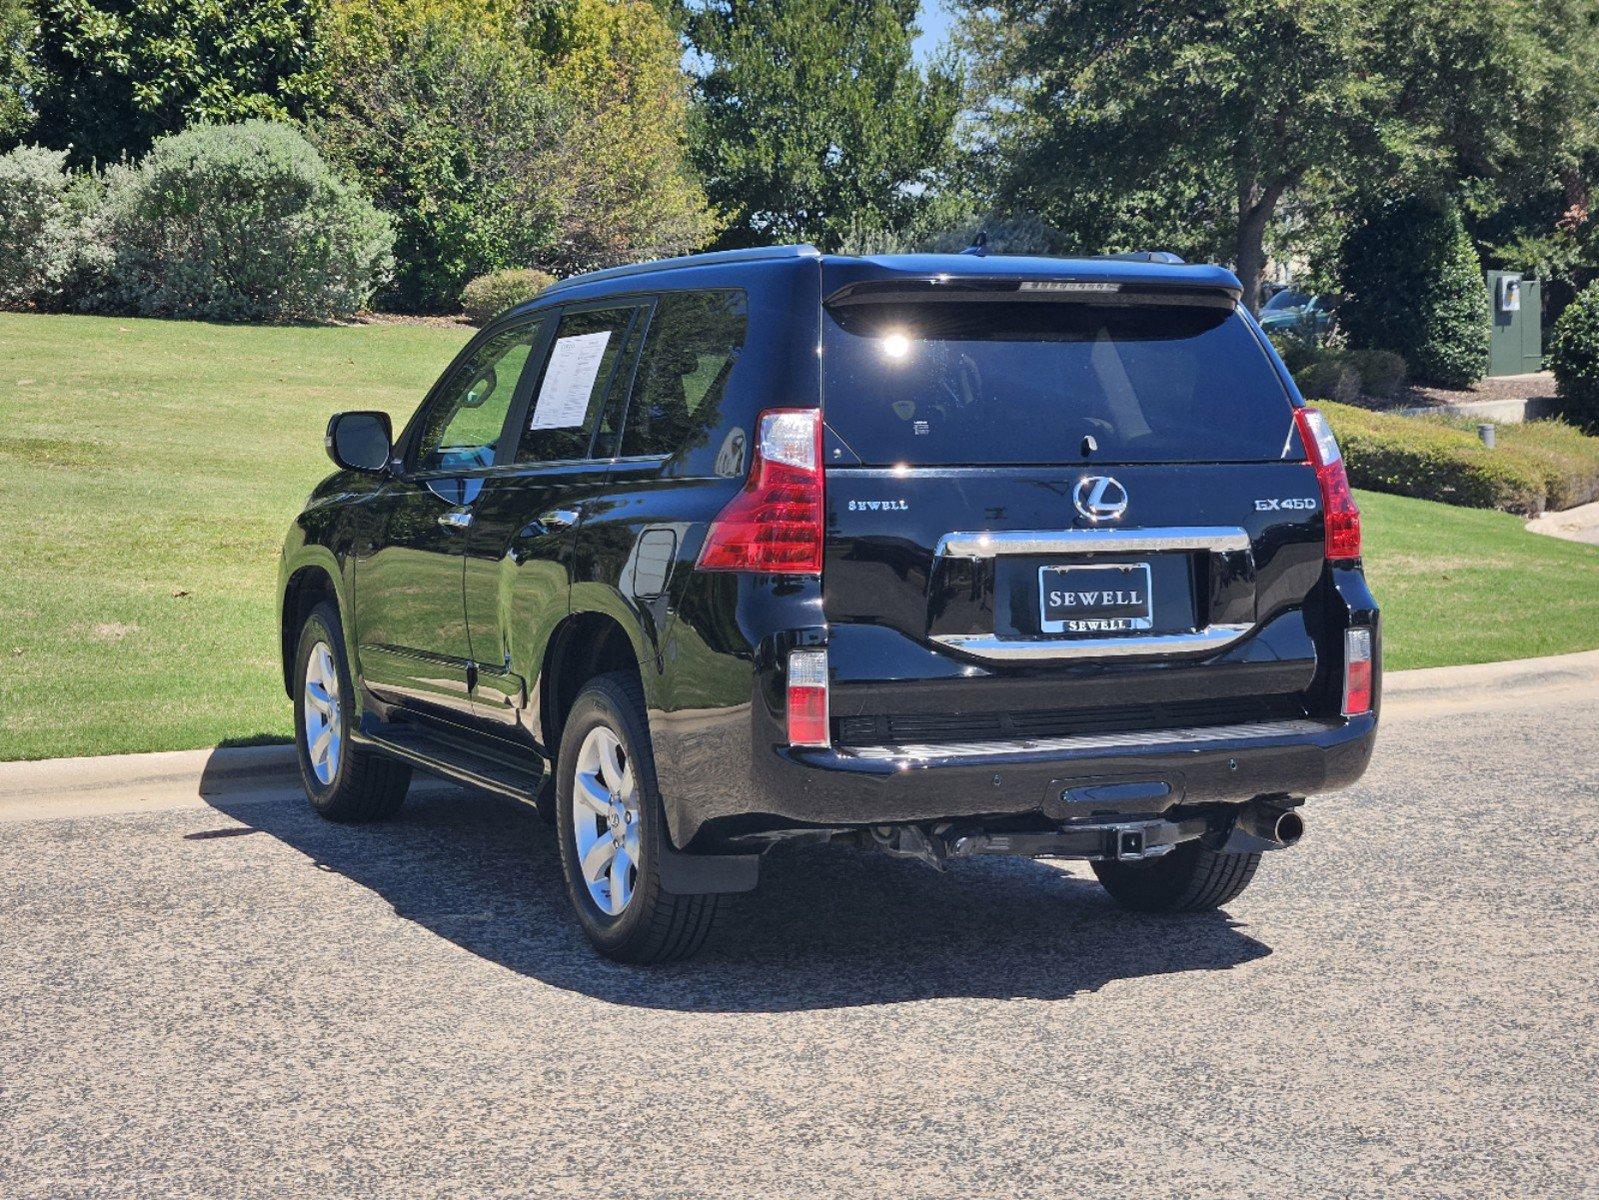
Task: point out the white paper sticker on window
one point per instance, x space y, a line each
569 381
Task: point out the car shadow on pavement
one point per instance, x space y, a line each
827 928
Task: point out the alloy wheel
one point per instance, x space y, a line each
606 819
324 736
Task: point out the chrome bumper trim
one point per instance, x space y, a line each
1219 538
1054 649
1092 742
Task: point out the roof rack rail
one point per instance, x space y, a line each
752 254
1164 257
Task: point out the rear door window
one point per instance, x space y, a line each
582 369
952 382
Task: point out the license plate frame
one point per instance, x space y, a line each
1125 617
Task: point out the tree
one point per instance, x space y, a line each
113 75
18 25
632 191
814 123
1196 127
503 136
1173 126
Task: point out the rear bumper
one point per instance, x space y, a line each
858 786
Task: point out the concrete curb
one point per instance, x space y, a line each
123 783
1471 685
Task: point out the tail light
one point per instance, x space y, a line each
807 698
1339 514
1357 672
775 523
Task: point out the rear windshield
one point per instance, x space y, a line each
949 382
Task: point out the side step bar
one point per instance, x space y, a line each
455 758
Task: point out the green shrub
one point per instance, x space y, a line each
240 222
1382 372
1329 378
1568 458
1414 285
487 296
1342 375
39 227
1433 459
1574 358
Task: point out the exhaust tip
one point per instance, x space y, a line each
1289 829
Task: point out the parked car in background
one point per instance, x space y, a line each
941 556
1291 311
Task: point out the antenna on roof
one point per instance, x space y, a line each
979 244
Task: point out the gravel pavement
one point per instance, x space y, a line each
236 999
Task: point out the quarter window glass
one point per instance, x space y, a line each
578 375
694 342
462 430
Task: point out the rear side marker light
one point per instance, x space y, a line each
807 698
1339 512
1357 672
775 524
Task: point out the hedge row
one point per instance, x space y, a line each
1539 465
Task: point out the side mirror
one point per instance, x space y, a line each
360 441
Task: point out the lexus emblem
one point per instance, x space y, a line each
1099 498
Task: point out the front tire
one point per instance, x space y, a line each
612 831
1189 878
345 782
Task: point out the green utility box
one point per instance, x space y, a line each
1515 305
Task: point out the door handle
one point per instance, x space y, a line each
558 518
456 518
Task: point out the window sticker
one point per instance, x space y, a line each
569 381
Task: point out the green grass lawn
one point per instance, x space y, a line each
149 469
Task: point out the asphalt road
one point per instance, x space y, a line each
243 1001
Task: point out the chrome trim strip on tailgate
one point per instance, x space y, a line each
1218 538
1091 742
998 649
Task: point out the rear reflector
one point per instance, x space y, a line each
775 524
1339 513
1357 672
807 698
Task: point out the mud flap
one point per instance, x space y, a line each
708 874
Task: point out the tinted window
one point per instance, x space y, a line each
693 344
579 372
954 381
462 427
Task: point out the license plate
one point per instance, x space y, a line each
1103 598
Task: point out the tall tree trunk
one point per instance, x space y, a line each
1256 204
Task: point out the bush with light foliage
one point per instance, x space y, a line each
487 296
239 223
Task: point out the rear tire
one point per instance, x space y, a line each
1189 878
608 813
345 782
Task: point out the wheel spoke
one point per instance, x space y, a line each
317 696
598 858
621 886
319 748
611 764
591 794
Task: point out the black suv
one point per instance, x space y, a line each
941 555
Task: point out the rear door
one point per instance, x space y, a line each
521 545
1048 506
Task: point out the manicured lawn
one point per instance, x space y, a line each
148 471
1465 585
